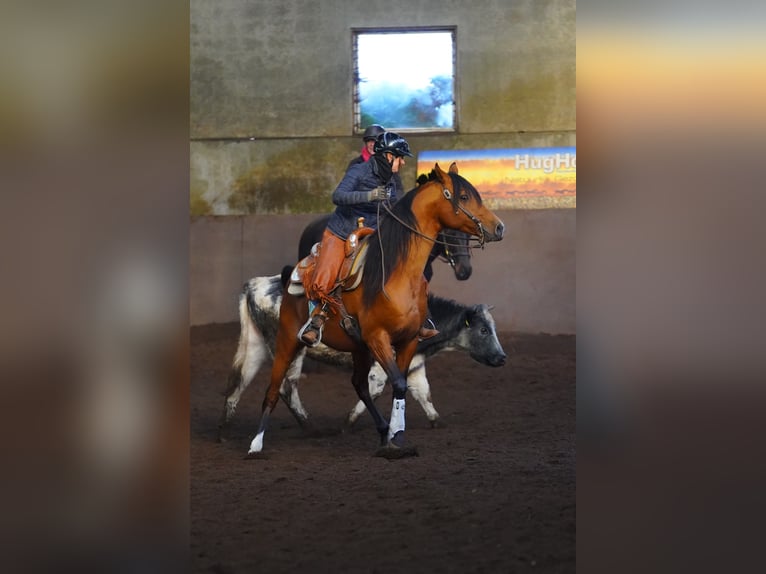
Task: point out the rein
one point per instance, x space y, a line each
447 196
471 216
448 256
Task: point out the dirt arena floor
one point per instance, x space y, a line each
492 491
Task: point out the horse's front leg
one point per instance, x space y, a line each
417 386
395 369
288 391
404 356
362 363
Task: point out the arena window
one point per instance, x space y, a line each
404 79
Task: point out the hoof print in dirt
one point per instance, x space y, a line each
255 456
322 432
394 452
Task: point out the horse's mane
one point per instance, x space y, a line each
395 240
395 237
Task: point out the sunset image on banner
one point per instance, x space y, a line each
526 178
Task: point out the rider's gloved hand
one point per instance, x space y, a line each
380 193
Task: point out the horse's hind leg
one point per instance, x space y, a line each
251 353
288 391
287 348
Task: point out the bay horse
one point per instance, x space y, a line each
390 304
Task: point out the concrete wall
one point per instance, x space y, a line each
280 72
529 276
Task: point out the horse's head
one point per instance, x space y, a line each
463 209
453 246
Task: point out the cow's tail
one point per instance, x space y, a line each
245 328
245 335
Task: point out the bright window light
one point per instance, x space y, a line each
405 79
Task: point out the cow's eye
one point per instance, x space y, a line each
484 331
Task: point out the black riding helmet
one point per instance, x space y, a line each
372 132
392 143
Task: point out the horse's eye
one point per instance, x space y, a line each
484 331
463 197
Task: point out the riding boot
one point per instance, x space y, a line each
311 333
426 332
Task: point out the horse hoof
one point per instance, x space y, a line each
438 424
392 452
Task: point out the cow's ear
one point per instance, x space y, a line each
470 315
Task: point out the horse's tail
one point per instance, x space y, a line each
287 270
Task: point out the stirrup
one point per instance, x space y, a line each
425 332
309 329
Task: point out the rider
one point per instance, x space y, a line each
369 137
363 185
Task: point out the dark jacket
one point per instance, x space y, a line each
351 198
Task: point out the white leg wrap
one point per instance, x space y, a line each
257 444
396 423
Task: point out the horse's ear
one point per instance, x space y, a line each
453 168
440 173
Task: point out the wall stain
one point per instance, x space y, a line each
198 205
298 180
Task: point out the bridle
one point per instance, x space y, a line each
448 196
479 227
448 255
